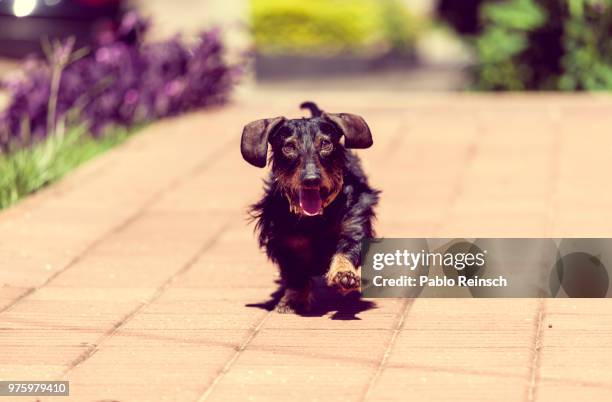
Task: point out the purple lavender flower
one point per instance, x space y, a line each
120 81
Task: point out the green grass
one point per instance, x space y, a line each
26 170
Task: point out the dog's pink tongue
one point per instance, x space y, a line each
310 201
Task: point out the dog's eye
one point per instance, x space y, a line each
289 149
326 146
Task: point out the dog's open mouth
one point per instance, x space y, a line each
311 201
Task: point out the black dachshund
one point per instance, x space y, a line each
318 206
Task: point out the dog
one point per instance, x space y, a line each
317 205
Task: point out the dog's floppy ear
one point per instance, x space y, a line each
356 131
254 144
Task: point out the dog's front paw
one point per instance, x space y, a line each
346 281
343 275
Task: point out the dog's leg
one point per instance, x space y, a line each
356 226
296 299
296 278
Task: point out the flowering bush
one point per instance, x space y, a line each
122 80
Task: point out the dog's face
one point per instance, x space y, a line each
307 162
308 157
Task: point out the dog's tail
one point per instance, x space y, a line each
314 109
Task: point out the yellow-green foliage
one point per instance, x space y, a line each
331 26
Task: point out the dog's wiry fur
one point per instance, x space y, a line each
308 154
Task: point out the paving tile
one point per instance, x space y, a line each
303 364
424 385
8 294
449 335
26 371
576 346
569 392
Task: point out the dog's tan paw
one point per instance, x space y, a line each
343 275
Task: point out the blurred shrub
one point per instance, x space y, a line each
332 26
462 15
399 26
544 45
587 62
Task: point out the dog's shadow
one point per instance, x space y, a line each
326 300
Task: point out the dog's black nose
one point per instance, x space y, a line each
311 176
311 181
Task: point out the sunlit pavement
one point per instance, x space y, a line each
137 277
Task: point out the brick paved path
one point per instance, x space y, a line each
137 279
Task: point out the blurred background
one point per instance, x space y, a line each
360 44
99 66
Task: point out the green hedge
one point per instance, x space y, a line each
332 26
544 45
